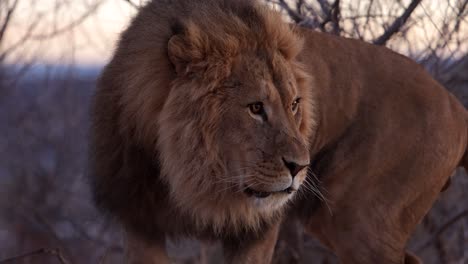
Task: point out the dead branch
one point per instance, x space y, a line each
332 16
132 4
43 251
397 24
7 20
91 10
325 6
22 40
368 13
294 15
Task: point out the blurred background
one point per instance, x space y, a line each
51 52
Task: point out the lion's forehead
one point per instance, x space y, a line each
270 78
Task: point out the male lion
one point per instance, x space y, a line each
210 112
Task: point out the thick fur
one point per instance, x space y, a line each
174 144
388 138
173 136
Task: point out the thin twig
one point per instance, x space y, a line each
4 53
132 4
43 251
335 13
397 24
7 20
73 24
294 15
332 15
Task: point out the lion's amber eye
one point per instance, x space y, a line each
295 105
256 108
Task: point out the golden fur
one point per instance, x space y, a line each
178 151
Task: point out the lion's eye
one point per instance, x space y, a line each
256 108
295 105
257 111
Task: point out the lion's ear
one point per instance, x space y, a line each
186 50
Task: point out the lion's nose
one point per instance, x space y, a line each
293 167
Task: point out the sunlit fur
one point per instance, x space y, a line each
207 141
182 99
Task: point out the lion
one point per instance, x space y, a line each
217 120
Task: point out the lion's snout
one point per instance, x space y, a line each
293 167
280 175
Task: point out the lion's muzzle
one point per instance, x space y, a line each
293 167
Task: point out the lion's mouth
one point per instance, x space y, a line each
261 194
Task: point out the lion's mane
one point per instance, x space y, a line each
142 134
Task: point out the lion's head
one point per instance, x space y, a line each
234 129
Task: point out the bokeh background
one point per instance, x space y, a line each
51 52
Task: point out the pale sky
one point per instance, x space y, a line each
92 42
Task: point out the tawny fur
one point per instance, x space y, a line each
174 145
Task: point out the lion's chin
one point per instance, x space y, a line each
269 201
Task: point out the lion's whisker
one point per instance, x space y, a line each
235 178
316 190
233 185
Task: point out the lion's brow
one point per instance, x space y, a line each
285 89
270 92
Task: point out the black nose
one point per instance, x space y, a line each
293 167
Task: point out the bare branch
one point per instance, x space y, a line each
397 24
368 14
22 40
91 10
7 20
43 251
132 4
299 6
335 16
325 6
460 15
294 15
